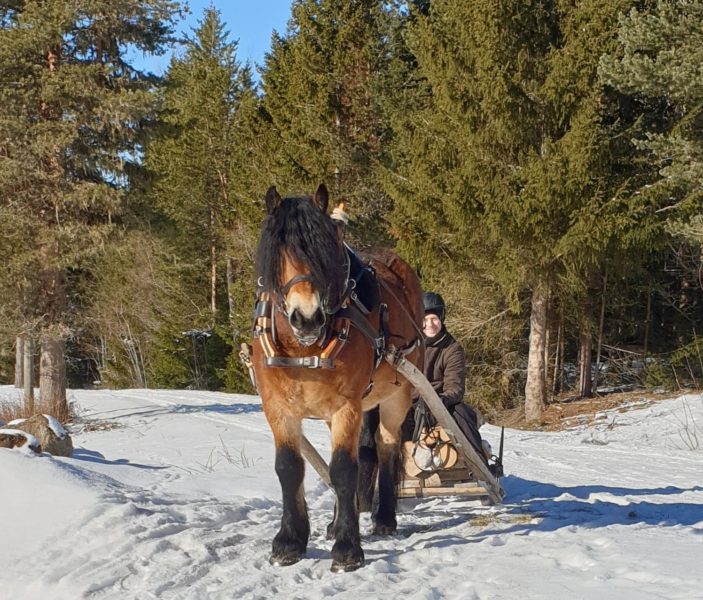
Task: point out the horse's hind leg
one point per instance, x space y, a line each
291 541
368 460
388 442
347 554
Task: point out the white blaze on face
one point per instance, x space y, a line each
303 298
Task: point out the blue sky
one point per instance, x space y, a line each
249 21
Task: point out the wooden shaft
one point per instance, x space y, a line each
313 457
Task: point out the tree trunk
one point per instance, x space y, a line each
585 357
28 375
230 298
601 324
535 387
52 377
213 263
558 356
547 354
647 321
19 362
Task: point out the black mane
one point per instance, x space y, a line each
310 236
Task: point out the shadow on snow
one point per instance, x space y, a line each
536 507
151 410
96 457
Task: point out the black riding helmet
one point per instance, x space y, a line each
434 303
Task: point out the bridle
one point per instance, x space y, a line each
347 311
349 284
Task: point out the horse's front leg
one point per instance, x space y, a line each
291 541
347 554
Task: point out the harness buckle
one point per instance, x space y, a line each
311 362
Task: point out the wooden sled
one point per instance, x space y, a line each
454 480
444 482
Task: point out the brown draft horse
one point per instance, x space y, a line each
318 353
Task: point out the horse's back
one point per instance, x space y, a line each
401 292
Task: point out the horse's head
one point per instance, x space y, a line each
301 262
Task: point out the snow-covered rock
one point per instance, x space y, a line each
15 438
52 436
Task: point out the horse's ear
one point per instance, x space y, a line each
321 198
272 199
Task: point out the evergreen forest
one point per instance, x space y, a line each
538 162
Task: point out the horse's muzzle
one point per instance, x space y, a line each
307 330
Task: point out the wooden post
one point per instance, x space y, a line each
52 377
28 375
19 362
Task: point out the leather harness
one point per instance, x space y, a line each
349 312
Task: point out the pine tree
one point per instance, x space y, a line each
69 139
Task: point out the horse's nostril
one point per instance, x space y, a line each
296 319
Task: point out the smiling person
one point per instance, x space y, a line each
445 361
445 369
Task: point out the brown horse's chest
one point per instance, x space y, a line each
304 398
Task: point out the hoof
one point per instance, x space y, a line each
346 556
284 560
347 565
382 529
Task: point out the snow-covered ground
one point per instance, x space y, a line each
173 495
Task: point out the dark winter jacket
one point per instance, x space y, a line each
445 368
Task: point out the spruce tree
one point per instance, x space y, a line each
511 154
322 85
656 63
70 132
202 165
